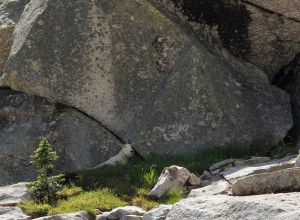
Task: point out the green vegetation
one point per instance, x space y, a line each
44 189
112 186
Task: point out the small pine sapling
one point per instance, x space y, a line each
45 188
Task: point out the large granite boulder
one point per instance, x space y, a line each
288 79
263 32
10 12
144 78
79 141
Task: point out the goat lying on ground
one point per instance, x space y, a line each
122 157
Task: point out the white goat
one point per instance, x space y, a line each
122 157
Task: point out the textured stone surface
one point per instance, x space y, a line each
266 33
194 180
71 216
13 194
158 213
171 177
280 181
143 77
222 207
12 213
219 187
10 12
24 120
131 217
118 213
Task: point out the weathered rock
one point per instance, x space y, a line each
235 173
70 216
223 207
256 160
12 213
265 33
10 12
13 194
280 181
171 177
118 213
143 77
297 161
219 187
158 213
194 180
79 141
221 164
131 217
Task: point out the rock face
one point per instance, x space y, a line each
10 12
10 213
71 216
136 72
79 141
288 79
265 33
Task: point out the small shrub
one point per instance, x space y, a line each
150 178
67 192
174 195
44 189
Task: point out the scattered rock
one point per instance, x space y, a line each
119 212
171 177
221 164
216 188
13 194
12 213
70 216
255 160
102 216
194 180
297 161
158 213
287 180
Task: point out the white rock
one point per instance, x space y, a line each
13 194
70 216
221 164
102 216
223 207
119 212
131 217
158 213
171 177
12 213
194 180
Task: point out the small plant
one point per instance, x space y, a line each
44 189
174 195
33 209
150 178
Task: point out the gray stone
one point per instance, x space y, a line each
221 164
13 194
255 160
297 161
12 213
79 141
219 187
171 177
223 207
158 213
143 77
265 33
119 212
70 216
280 181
